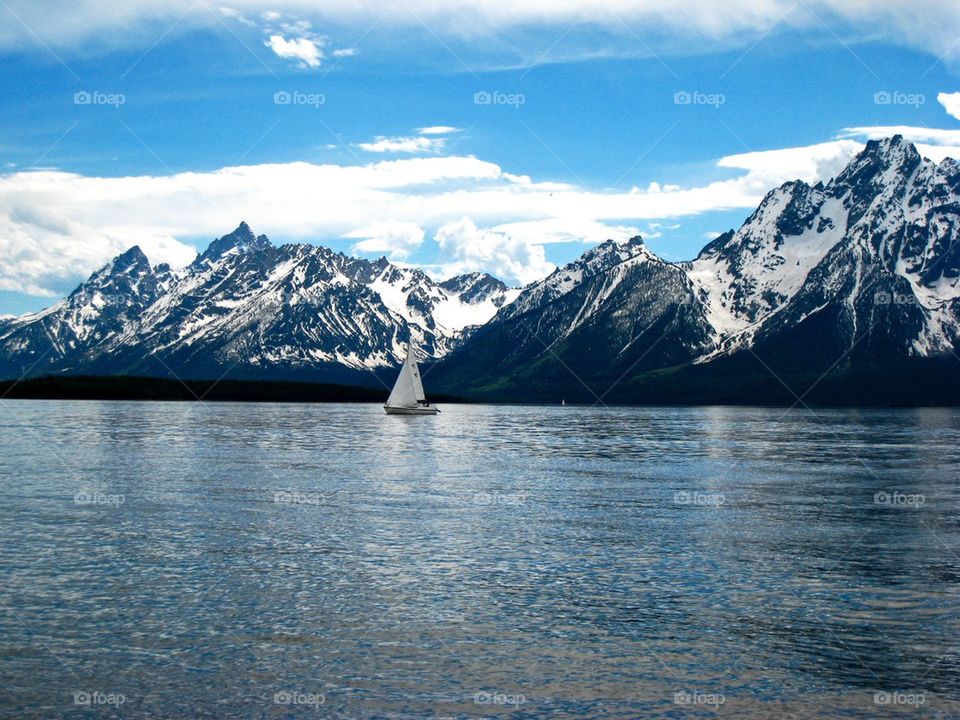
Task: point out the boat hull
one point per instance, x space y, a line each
420 410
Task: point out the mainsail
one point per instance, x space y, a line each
408 390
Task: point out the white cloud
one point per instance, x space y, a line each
566 229
411 144
466 248
305 51
55 226
951 103
618 27
911 133
656 187
344 52
810 163
394 238
41 250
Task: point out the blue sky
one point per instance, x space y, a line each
455 136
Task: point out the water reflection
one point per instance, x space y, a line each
600 562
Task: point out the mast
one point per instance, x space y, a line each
415 373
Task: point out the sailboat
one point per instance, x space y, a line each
407 396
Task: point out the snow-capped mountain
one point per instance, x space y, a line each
294 310
97 312
858 271
618 309
593 262
868 261
855 273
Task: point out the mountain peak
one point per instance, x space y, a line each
474 284
894 148
629 243
893 155
878 175
243 235
240 240
134 257
611 252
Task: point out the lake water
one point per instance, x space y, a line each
250 560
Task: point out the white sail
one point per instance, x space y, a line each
415 375
408 390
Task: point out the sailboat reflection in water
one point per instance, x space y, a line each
407 396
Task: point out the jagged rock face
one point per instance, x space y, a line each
875 249
102 307
245 303
747 274
617 310
478 287
891 282
565 279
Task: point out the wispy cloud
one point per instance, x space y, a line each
394 238
233 14
438 130
404 144
631 27
429 139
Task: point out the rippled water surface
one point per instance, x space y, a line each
246 560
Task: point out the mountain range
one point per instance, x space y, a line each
849 286
247 308
843 291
